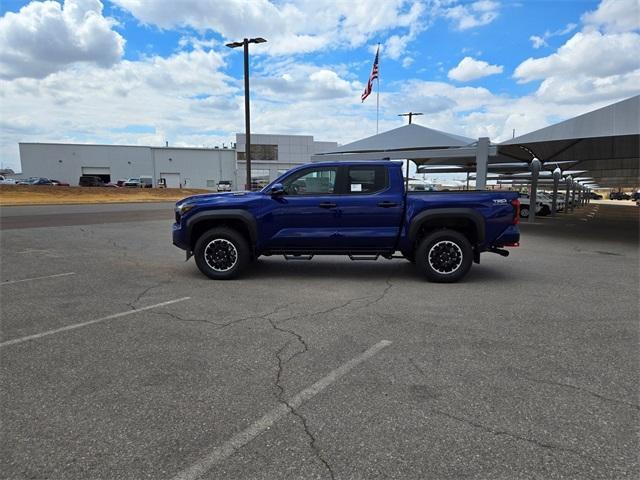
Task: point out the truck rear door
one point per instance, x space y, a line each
371 206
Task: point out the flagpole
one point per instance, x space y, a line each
378 92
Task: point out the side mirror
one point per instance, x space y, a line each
277 189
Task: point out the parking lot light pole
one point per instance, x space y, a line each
247 121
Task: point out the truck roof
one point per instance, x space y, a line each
356 162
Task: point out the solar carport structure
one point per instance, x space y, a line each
599 149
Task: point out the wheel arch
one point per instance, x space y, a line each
239 220
465 220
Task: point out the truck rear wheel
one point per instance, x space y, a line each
444 256
221 253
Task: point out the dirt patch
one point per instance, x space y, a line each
46 195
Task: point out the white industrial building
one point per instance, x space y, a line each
272 155
180 167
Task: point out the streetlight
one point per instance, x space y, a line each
245 43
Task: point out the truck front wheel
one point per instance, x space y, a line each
221 253
444 256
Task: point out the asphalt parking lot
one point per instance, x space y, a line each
120 360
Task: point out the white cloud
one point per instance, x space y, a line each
476 14
45 37
187 98
614 16
407 62
304 82
298 27
589 53
538 41
596 64
541 41
471 69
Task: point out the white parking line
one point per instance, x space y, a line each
240 439
90 322
10 282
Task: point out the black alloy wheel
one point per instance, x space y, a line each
221 253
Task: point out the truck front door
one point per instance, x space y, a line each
307 215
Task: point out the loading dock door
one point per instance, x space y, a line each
104 173
172 179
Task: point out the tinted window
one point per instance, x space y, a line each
366 179
317 181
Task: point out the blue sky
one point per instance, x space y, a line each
131 72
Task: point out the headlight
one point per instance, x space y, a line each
183 208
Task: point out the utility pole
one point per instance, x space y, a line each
410 115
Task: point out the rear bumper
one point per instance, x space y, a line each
509 238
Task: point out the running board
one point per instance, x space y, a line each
356 258
298 257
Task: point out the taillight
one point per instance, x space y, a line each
516 211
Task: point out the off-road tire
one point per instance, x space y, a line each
444 256
222 253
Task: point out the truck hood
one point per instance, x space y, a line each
221 197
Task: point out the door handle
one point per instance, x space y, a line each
387 204
327 205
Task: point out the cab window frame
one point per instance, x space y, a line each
301 173
346 183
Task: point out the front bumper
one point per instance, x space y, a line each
179 236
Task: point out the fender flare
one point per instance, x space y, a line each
448 214
224 214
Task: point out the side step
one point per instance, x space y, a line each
298 257
357 258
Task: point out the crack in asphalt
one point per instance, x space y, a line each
281 392
219 326
533 441
262 316
183 319
144 292
582 389
384 292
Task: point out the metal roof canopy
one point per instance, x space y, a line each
404 139
605 143
413 142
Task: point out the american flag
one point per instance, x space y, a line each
372 77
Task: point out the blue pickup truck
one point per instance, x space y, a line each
359 209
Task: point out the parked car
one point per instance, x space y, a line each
35 181
58 183
90 181
525 206
133 182
359 209
594 196
224 186
8 181
146 182
619 196
121 182
547 202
